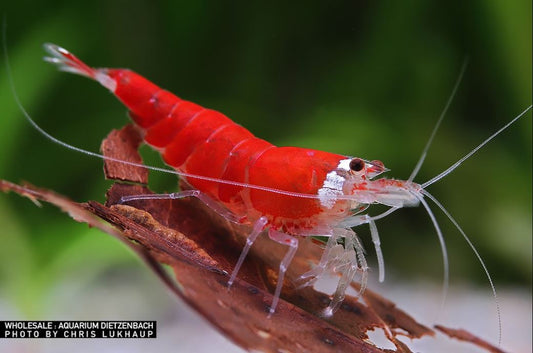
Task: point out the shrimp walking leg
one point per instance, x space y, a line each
348 264
292 242
208 201
337 258
356 220
331 251
346 259
259 226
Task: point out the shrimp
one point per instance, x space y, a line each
288 192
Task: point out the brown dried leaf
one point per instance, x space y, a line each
122 145
202 248
239 312
463 335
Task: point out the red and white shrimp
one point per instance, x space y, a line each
289 192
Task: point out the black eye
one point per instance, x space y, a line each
357 164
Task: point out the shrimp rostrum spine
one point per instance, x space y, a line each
289 192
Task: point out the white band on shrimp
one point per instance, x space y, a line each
332 186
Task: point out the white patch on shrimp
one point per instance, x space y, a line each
333 185
333 181
331 188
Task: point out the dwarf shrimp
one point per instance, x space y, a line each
288 192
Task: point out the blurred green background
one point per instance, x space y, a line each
361 78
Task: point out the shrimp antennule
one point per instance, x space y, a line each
437 125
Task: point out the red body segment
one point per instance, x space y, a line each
294 169
195 133
139 95
162 133
210 158
238 163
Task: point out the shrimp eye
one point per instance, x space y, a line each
357 164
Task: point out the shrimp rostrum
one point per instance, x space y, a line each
287 192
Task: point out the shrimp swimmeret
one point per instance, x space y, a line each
288 192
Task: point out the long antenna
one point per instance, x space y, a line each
485 269
441 117
468 155
445 262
